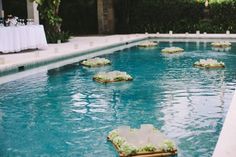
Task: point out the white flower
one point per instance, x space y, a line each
135 143
221 44
209 63
96 62
128 149
172 50
113 76
148 44
118 141
168 145
113 134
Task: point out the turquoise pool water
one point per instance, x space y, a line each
63 112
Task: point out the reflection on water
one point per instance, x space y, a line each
65 113
221 49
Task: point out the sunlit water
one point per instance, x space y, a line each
63 112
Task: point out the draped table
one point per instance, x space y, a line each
15 39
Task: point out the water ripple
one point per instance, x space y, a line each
65 113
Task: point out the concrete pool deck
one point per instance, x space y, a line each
76 46
226 144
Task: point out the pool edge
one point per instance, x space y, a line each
226 143
13 69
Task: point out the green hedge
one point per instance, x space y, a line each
181 16
223 16
79 16
134 16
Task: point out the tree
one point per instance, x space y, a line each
48 11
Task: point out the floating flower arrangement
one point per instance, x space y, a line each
113 76
221 44
171 50
96 62
209 63
144 141
147 44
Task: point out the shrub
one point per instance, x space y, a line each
139 16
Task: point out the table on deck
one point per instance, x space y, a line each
18 38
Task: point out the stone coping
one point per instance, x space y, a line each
195 36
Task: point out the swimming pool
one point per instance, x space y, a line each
63 112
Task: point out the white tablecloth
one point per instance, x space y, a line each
15 39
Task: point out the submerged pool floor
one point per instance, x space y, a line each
63 112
